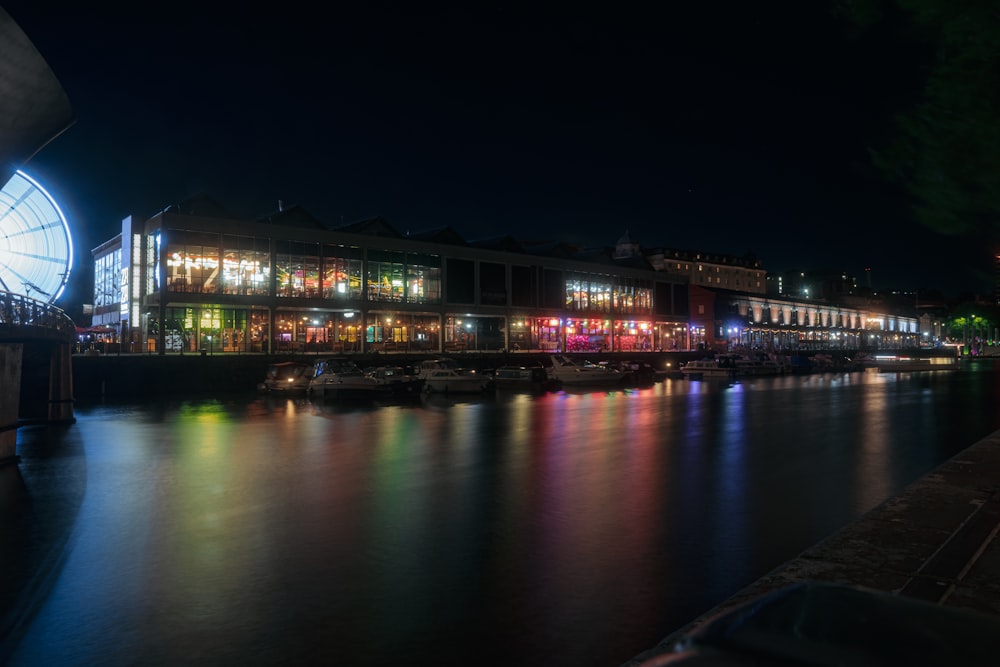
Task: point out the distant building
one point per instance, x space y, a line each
704 269
825 284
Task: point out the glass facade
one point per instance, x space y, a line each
296 269
246 266
632 295
588 292
423 278
385 276
230 291
192 262
342 272
106 281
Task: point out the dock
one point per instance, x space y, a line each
929 553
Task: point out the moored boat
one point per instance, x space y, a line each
522 377
706 368
454 381
570 373
427 366
339 378
395 382
287 377
898 364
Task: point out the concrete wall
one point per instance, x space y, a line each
10 398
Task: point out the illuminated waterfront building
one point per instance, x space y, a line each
193 278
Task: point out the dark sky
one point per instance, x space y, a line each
730 127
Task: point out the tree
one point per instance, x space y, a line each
970 322
945 151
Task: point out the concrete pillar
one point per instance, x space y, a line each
10 399
61 384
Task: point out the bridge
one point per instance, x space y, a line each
36 370
36 337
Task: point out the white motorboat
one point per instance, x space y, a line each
570 373
287 377
427 366
342 378
396 382
900 364
522 377
452 381
706 368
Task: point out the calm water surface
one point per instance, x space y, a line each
560 529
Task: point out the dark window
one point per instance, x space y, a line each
554 287
460 281
492 284
682 305
663 300
524 286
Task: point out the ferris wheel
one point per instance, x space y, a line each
36 251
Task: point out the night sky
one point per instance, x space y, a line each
729 127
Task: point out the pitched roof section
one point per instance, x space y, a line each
443 235
502 243
595 255
376 226
552 249
34 108
293 216
201 205
635 262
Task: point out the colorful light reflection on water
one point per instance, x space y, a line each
567 528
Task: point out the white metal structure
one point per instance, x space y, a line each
36 251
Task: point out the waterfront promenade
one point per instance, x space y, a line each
934 543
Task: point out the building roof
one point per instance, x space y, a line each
748 260
552 249
34 108
293 216
505 243
201 205
374 226
444 235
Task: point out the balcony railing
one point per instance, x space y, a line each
23 318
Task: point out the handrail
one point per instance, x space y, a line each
22 317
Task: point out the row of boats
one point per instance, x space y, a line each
342 378
735 365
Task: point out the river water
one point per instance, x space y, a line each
570 528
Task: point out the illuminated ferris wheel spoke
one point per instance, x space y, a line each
36 250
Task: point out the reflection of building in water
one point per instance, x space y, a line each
193 277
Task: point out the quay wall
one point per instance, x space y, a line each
113 376
126 375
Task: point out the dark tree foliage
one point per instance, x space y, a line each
945 151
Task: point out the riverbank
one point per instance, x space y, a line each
936 543
114 376
120 376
